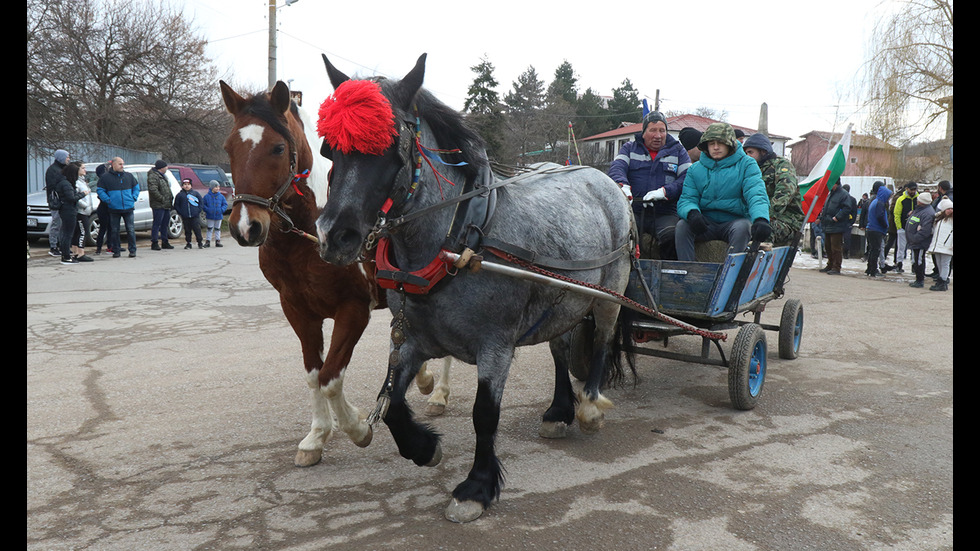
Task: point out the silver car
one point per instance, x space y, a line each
39 215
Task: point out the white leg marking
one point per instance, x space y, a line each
323 423
440 395
348 416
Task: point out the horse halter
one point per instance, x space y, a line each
274 203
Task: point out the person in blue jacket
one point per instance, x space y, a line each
215 205
652 169
187 203
724 196
120 191
877 228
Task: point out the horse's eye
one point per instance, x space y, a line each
279 149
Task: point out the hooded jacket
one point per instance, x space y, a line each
726 189
214 205
119 190
878 211
644 173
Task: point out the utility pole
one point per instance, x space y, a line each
272 40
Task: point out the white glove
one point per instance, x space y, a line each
656 195
627 191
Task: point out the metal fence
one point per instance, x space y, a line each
40 157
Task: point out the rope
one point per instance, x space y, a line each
714 335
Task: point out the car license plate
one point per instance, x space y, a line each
32 222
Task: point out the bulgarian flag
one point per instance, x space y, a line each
816 187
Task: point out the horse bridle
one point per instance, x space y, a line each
274 203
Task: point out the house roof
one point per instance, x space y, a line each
857 140
675 124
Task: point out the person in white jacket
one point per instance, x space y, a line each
942 243
85 208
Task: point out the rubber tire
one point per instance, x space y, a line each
747 367
791 329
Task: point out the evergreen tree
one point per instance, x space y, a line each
524 102
625 105
565 85
483 109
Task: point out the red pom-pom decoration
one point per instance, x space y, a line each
357 117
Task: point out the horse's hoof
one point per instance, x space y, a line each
465 511
307 458
591 426
435 410
436 456
553 429
426 387
366 440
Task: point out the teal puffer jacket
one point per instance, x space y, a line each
725 190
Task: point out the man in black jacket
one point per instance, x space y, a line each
835 219
51 177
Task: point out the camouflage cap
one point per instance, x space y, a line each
718 131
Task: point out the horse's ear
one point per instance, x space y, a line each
336 77
326 150
233 101
279 97
409 86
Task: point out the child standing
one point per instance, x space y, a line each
187 203
918 235
942 243
215 206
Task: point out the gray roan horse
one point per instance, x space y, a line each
574 221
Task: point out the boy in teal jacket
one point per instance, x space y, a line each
724 196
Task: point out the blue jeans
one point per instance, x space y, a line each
735 232
127 218
161 223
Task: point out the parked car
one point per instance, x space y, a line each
39 215
201 176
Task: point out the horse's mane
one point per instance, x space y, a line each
449 128
260 107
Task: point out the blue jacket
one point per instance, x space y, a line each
667 170
214 205
725 190
878 211
118 190
188 204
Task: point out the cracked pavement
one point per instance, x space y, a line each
166 397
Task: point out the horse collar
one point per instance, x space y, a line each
418 282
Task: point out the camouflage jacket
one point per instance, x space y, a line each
784 194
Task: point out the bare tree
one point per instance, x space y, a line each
122 72
909 73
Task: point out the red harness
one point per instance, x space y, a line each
418 282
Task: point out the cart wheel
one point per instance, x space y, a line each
580 349
790 329
747 369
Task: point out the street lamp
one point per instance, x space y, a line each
272 39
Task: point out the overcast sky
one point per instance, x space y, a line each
802 58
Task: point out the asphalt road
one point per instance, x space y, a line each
166 397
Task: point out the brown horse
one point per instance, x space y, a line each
278 183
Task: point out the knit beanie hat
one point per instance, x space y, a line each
213 184
160 164
758 141
61 156
924 198
689 137
946 203
654 116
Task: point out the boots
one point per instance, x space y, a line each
207 243
217 243
941 285
154 246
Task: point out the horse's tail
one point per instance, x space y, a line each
622 349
